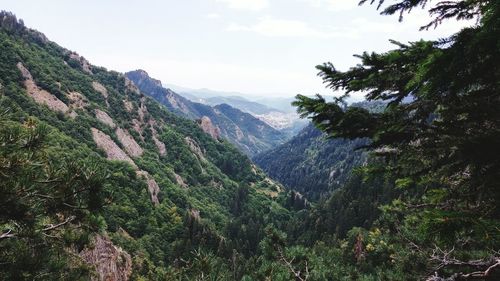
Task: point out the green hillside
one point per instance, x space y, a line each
161 187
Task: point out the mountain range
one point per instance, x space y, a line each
250 134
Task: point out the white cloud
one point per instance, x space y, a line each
333 5
251 5
284 28
213 16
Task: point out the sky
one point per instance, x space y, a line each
257 47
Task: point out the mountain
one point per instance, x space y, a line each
247 132
100 181
242 104
285 119
311 163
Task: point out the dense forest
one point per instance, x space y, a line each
315 164
99 181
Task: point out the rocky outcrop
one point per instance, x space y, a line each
239 133
112 150
77 100
131 86
207 126
104 118
194 147
180 180
110 262
39 95
153 187
98 87
159 144
84 64
129 106
137 126
131 146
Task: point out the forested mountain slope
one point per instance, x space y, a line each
314 163
248 133
311 163
98 181
93 168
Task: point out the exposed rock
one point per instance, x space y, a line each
111 263
153 187
83 62
39 95
195 214
24 71
159 144
131 146
100 89
239 134
178 104
131 86
142 110
129 106
137 126
194 147
207 126
77 100
73 114
104 118
113 151
216 184
180 180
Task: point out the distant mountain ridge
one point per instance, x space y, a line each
250 134
277 112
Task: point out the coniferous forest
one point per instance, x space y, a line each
100 181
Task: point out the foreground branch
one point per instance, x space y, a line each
296 273
54 226
7 234
485 268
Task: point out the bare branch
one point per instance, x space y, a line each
54 226
7 234
296 273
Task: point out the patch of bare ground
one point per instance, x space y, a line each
39 95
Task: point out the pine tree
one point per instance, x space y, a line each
47 205
440 132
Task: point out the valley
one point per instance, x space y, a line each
110 175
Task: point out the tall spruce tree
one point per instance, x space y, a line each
440 134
